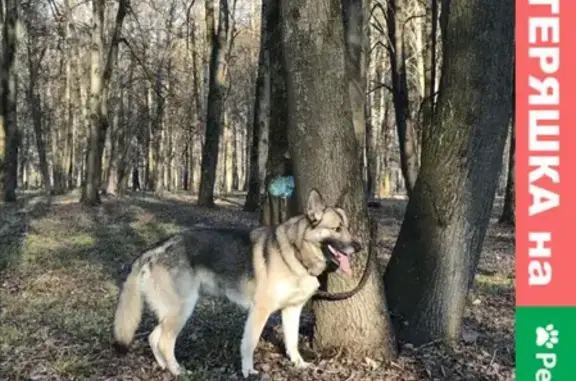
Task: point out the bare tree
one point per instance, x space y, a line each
35 55
435 257
216 92
99 83
8 117
324 150
261 115
397 15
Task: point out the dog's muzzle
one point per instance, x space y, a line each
337 255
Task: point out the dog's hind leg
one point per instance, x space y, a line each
171 325
173 299
153 340
290 325
255 323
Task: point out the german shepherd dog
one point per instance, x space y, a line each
264 270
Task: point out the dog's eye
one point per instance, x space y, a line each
338 229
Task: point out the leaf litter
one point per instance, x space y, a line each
61 265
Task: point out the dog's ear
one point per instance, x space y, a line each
315 206
342 215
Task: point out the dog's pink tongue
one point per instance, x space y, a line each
345 264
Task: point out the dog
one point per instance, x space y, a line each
263 270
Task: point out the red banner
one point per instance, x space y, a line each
545 152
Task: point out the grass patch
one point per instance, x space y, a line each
496 285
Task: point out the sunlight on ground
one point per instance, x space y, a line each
61 270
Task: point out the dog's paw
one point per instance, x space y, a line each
178 371
158 365
247 372
299 362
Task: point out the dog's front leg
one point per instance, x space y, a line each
290 325
257 318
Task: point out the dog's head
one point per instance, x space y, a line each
330 233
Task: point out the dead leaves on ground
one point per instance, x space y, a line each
56 317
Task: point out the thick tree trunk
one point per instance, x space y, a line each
508 216
98 126
261 115
125 147
8 115
324 150
216 93
436 254
99 83
407 139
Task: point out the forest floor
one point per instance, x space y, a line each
61 264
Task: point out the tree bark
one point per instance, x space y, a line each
508 216
68 156
195 149
99 83
276 210
8 102
354 19
435 257
429 31
396 19
261 115
35 57
324 150
216 93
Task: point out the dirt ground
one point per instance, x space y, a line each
61 264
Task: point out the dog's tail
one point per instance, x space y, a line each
129 309
130 303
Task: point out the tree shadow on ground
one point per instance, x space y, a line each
187 214
15 219
58 322
78 259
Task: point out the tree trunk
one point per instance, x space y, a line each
35 106
374 125
435 257
407 139
8 102
72 62
261 115
216 93
228 154
355 37
324 149
508 216
196 130
99 83
428 28
158 135
276 210
68 155
150 171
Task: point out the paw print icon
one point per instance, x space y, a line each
547 336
